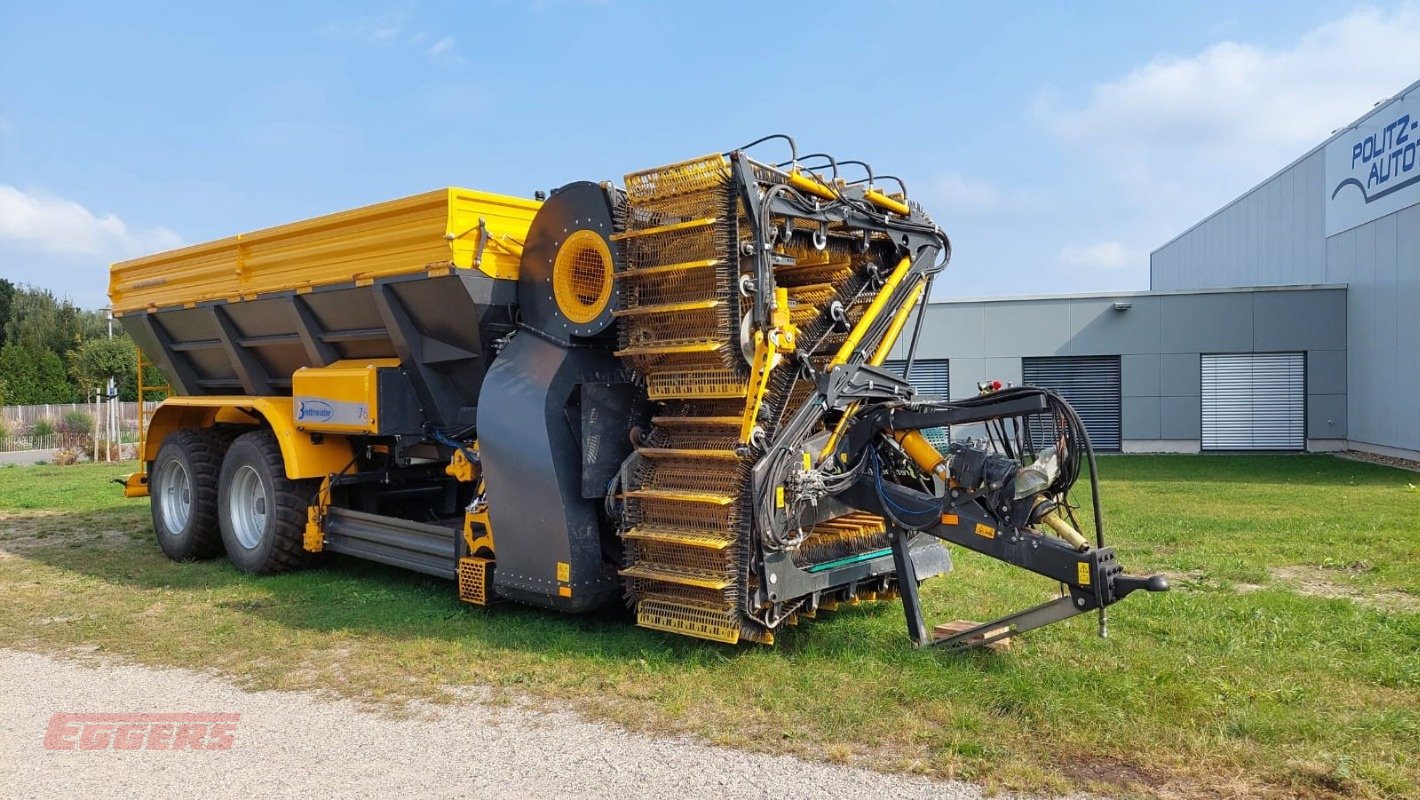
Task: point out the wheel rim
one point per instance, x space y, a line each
247 509
175 496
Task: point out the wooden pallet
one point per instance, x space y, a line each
959 625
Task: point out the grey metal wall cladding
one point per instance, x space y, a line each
1254 401
1090 384
931 376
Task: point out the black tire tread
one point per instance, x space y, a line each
204 451
292 497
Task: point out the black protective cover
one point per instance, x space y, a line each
529 439
576 206
607 412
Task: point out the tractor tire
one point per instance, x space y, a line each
261 512
183 488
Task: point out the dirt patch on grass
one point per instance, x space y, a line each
22 533
26 532
1197 580
1112 775
1316 582
1329 581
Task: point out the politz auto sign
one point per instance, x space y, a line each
1373 169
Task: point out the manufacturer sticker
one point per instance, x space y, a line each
317 411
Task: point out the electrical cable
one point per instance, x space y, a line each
889 506
315 496
447 441
793 148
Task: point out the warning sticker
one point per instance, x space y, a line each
1083 573
985 530
564 571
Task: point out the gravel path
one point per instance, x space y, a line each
297 744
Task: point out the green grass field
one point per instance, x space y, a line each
1285 663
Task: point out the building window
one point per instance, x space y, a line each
1254 401
1090 384
931 376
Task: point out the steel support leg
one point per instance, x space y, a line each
907 587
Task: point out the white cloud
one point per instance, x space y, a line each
1238 103
1100 256
56 225
392 29
962 193
382 29
1161 146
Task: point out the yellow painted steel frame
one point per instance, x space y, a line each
880 353
914 442
303 455
313 541
768 351
892 204
135 484
472 520
855 337
434 232
808 182
478 541
461 469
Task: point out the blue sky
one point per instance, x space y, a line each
1057 143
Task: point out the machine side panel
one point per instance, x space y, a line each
441 328
550 540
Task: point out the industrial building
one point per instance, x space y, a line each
1287 320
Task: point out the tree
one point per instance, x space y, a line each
7 301
21 378
95 361
32 378
54 385
40 321
45 329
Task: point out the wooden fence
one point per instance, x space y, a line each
17 424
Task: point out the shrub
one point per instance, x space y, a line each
42 427
63 458
76 423
4 430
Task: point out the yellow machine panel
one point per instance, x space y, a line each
341 398
442 229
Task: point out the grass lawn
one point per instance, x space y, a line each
1285 663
